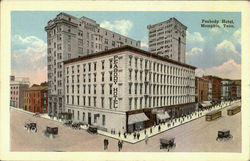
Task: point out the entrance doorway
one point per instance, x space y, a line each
89 118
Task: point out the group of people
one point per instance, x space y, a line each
106 143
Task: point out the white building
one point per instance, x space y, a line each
168 39
17 87
225 89
210 88
119 88
70 37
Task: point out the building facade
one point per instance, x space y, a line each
201 89
36 99
70 37
122 88
236 89
17 87
168 39
210 89
225 89
216 86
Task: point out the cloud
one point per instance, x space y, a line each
226 47
229 69
144 43
237 36
120 26
29 58
194 51
194 37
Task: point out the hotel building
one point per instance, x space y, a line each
168 39
17 87
125 88
70 37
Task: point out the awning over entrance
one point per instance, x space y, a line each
206 104
140 117
162 116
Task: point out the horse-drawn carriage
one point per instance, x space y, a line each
76 125
167 143
51 132
224 135
30 127
92 130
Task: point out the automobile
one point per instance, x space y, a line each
167 143
92 130
51 131
31 127
224 135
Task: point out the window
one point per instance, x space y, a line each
83 116
94 66
78 115
103 76
78 78
102 88
102 103
84 69
72 100
103 120
136 75
95 118
110 89
84 80
135 103
89 101
130 86
140 75
84 101
140 88
110 63
67 89
67 99
94 77
110 103
89 89
130 103
72 69
110 76
84 86
102 65
135 88
135 62
141 103
72 88
130 60
130 74
89 67
94 101
78 89
94 89
89 77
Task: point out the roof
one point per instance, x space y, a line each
37 88
127 48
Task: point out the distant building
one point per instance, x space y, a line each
71 37
216 86
236 89
17 87
226 89
36 98
210 89
201 89
124 89
168 39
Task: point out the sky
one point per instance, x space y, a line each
214 51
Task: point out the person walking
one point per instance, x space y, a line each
159 128
146 139
134 135
119 145
106 143
138 135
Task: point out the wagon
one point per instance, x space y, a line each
31 127
167 143
224 135
76 126
51 131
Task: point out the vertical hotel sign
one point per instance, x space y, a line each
115 88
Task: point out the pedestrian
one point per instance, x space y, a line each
134 135
151 130
138 135
119 145
119 133
159 128
146 139
106 142
145 132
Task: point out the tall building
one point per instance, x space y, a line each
216 86
124 88
17 87
36 98
168 39
70 37
236 89
225 89
201 89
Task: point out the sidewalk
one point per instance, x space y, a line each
163 127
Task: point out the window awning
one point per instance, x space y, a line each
162 116
140 117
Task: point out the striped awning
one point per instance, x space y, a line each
163 116
140 117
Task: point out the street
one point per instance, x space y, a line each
195 136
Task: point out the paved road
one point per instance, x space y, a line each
195 136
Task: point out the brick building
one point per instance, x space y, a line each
36 98
216 86
201 89
236 89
